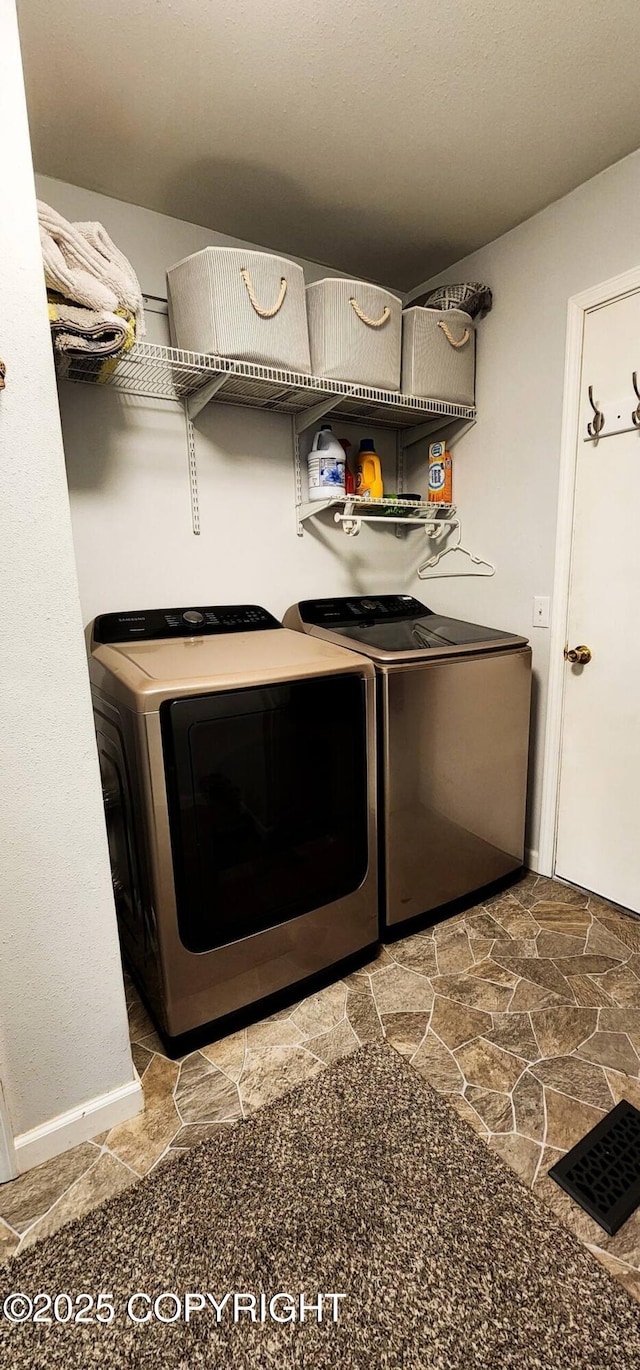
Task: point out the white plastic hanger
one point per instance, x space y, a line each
434 560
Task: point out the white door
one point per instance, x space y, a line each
599 803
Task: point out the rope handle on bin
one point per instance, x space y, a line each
264 313
372 323
449 335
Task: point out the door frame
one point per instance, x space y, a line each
8 1163
628 283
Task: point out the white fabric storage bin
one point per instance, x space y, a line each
246 305
439 354
355 332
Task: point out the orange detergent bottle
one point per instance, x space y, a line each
368 471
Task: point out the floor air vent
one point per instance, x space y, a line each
602 1173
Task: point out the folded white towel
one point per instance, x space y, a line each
99 332
83 264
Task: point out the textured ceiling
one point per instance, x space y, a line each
383 137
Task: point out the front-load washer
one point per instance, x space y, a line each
238 770
453 737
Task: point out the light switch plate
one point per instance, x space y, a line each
541 611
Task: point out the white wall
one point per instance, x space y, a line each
506 468
128 476
63 1024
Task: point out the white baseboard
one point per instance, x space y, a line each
78 1125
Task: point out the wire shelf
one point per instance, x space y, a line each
168 373
400 510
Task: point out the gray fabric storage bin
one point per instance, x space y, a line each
246 305
355 332
439 354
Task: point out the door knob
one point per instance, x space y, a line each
579 656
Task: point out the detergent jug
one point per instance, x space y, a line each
368 471
326 465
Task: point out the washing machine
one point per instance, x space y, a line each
238 771
453 739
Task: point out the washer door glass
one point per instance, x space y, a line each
267 794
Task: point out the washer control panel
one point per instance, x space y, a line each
146 624
360 609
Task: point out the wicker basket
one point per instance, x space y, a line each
438 354
233 303
354 332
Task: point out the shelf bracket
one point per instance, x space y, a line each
196 402
453 428
308 417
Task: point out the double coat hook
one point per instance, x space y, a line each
596 424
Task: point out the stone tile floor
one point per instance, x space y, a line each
524 1011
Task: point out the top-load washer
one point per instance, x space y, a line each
453 737
240 815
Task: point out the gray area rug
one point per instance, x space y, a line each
363 1183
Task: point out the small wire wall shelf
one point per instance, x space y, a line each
351 511
168 373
